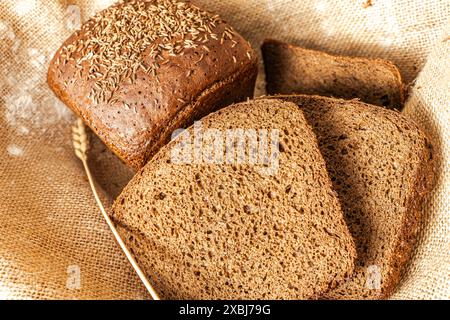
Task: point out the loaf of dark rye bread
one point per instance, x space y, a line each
382 166
225 230
295 70
140 69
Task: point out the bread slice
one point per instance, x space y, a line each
381 165
291 69
233 230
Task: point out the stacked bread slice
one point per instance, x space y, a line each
295 70
234 230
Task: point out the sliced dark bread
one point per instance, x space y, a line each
295 70
231 231
381 165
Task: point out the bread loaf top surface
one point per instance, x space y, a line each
295 70
227 231
135 67
381 165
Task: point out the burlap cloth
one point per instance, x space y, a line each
53 241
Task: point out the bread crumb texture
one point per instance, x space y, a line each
225 231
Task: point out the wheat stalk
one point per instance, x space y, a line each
80 144
79 139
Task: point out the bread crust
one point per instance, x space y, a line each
142 114
423 183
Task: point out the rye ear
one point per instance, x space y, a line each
80 144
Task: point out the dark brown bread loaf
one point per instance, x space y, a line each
227 231
138 70
381 165
291 69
